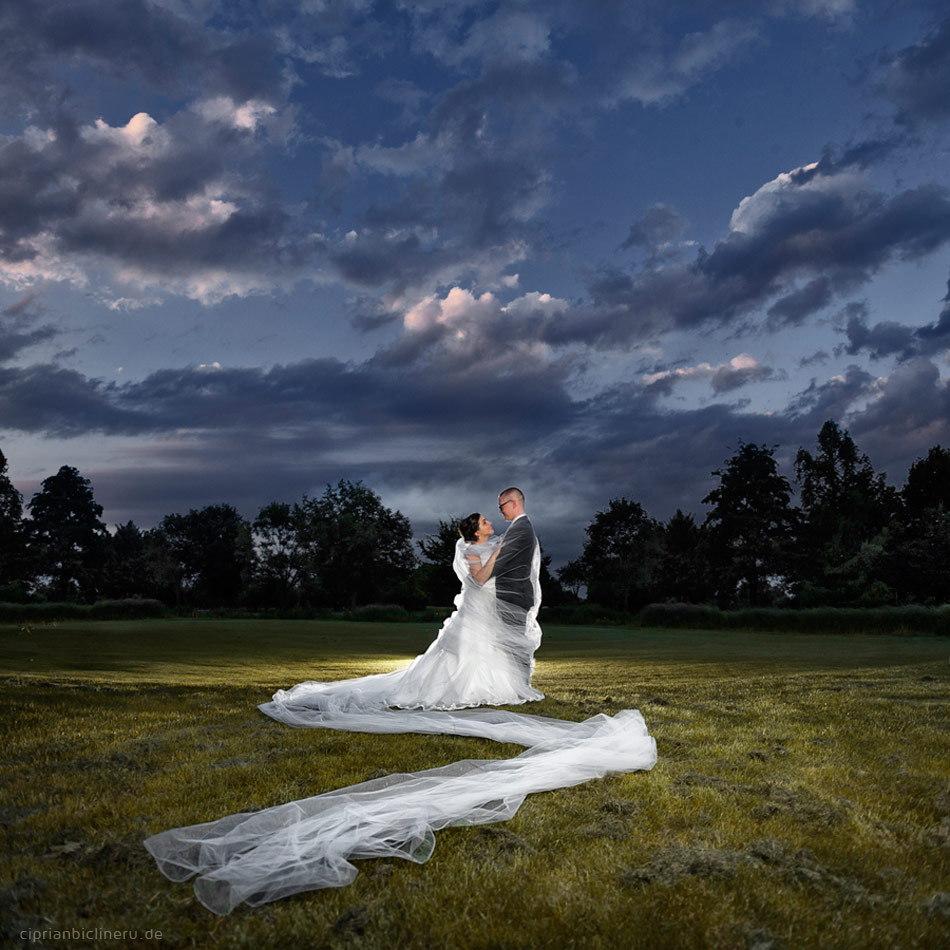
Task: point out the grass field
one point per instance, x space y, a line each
801 798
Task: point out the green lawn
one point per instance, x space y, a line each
801 798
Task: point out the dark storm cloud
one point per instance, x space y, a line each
833 398
16 326
288 464
660 457
523 94
935 336
219 435
12 341
886 338
794 307
347 403
847 235
48 399
467 191
381 257
457 440
664 458
861 155
728 378
889 338
819 356
911 415
296 427
253 237
656 231
919 77
212 397
130 39
358 399
471 205
289 468
479 210
212 47
412 348
659 224
494 137
620 443
369 313
837 231
165 199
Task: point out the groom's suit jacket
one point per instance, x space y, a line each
512 572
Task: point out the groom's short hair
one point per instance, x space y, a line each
517 492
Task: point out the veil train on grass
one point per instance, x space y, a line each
262 856
483 656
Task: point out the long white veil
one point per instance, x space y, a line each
262 856
482 656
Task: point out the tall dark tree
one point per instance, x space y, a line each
620 557
67 540
684 573
845 506
126 571
281 554
436 577
915 562
214 550
359 551
750 525
572 577
916 557
13 567
928 483
164 570
553 593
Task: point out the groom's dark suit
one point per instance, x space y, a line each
513 583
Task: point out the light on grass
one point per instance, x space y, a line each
801 792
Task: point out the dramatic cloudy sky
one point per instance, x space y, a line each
250 247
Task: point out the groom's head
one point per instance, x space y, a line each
511 503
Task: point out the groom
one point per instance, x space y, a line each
516 568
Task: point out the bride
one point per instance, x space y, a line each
479 658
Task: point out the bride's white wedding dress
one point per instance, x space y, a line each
477 658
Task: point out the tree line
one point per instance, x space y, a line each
850 540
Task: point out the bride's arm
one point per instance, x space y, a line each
481 572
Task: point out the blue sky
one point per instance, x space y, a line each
247 249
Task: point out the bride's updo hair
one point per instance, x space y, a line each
468 527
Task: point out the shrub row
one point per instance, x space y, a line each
131 609
894 620
587 615
370 613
